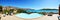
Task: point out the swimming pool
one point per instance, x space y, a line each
28 16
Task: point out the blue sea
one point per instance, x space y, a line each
55 11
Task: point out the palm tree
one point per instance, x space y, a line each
21 11
6 12
1 8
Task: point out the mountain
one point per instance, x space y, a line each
48 9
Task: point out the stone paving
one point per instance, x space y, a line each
54 17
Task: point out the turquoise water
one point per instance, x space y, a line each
55 11
33 15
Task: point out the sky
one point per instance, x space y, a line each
33 4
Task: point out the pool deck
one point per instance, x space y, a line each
54 17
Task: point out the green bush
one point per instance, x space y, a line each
44 13
21 11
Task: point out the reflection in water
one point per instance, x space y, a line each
33 15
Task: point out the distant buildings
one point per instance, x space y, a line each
9 9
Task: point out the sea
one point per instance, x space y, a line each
54 11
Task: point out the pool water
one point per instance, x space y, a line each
24 15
